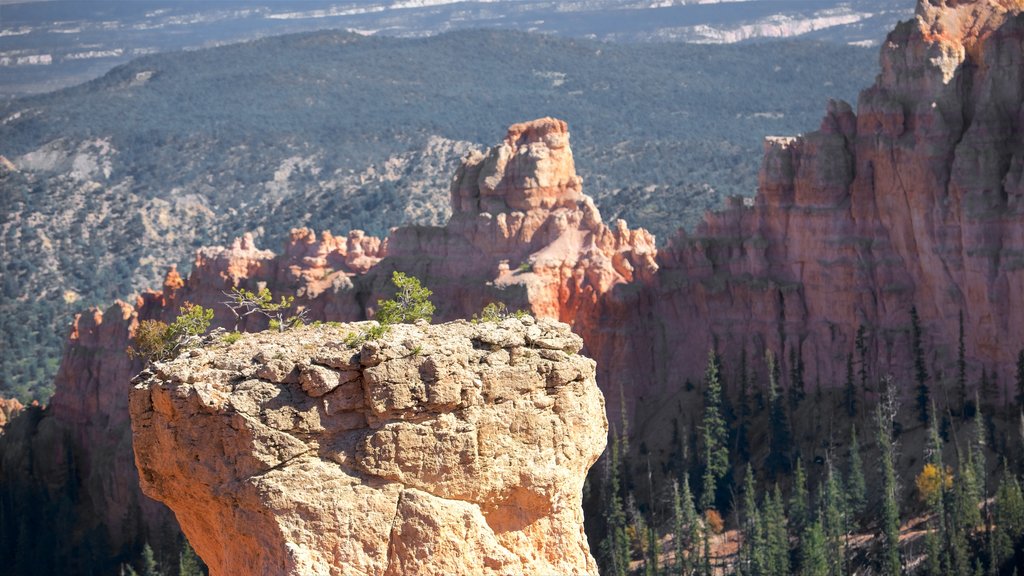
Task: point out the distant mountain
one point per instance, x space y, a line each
50 45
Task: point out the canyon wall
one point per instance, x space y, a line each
911 201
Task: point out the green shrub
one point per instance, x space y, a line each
155 340
496 312
411 303
280 314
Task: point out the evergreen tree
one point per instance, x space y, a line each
189 563
616 543
1008 535
714 434
931 485
777 534
149 566
885 416
751 525
799 509
856 487
833 519
977 458
920 370
780 434
684 518
814 552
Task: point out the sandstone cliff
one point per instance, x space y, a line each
440 449
912 200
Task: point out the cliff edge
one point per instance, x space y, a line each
458 448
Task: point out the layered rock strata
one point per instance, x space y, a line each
440 449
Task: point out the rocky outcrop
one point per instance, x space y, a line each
440 449
9 408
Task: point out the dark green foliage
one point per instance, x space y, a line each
814 552
411 302
155 341
1008 534
833 518
189 563
799 504
920 370
856 487
714 434
776 535
616 546
885 416
280 315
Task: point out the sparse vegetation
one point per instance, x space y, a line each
496 312
155 340
282 314
410 304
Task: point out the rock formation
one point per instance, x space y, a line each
9 408
440 449
911 201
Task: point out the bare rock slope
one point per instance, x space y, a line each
458 448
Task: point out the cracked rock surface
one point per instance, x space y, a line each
458 448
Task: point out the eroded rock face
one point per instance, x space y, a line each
441 449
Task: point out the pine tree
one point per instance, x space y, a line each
933 494
814 552
149 566
885 416
856 488
684 520
189 563
1009 519
799 510
920 370
961 371
616 542
833 518
714 433
977 459
777 535
751 525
